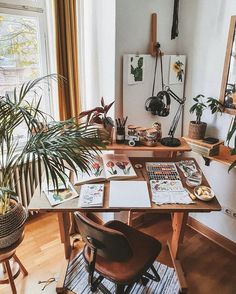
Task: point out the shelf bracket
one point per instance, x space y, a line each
207 160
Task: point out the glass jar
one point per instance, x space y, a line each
120 135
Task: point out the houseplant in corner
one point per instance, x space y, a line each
51 147
98 117
197 128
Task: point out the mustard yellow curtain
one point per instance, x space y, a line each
67 58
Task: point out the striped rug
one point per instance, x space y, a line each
77 280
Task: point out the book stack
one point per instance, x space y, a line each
203 148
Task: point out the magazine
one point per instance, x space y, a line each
57 197
107 167
91 195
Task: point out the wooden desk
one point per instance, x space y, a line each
179 213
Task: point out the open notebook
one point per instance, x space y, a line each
107 167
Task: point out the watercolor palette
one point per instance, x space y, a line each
162 171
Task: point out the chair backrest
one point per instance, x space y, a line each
109 243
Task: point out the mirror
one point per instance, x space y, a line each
228 86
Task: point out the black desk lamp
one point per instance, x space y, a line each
170 140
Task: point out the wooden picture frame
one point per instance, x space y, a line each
229 100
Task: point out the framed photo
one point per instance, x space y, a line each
177 69
136 66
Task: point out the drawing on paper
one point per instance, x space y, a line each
177 69
136 69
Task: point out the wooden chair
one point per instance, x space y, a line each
12 272
118 253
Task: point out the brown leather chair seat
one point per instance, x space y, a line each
145 250
118 253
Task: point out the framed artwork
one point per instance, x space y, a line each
136 66
228 84
177 69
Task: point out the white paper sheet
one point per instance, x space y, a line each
129 194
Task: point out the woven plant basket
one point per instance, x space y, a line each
12 224
197 131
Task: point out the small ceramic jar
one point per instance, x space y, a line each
151 137
141 133
132 130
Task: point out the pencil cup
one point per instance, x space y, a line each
120 135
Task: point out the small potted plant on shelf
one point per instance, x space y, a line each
197 128
50 146
98 117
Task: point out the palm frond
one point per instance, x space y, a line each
52 147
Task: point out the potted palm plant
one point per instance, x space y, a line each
197 128
98 117
51 147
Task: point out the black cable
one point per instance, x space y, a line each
155 71
162 79
175 30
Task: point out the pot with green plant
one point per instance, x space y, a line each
197 128
98 117
51 148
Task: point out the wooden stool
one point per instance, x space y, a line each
8 272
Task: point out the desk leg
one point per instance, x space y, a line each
179 222
64 226
130 216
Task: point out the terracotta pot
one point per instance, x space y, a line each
197 131
12 224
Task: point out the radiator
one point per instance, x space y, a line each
23 187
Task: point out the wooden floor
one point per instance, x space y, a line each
208 268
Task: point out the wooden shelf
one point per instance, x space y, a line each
224 156
183 147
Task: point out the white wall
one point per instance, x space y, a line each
133 20
203 31
203 36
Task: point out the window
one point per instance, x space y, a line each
23 49
96 30
23 45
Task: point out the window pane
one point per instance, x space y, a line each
19 50
20 58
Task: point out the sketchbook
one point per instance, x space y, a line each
91 195
169 192
107 167
129 194
58 197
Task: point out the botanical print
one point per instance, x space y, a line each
136 69
177 69
97 169
124 167
110 164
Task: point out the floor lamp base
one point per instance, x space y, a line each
171 142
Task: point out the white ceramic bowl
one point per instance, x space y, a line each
204 193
